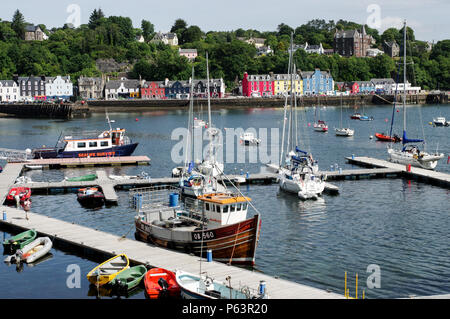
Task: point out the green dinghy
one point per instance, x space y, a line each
20 240
84 178
129 278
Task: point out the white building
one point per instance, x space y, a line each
59 87
9 91
373 52
122 88
166 38
400 88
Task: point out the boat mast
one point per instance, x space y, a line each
190 148
210 127
404 81
285 109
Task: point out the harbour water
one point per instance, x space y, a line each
399 225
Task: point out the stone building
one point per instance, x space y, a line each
34 33
352 42
91 87
391 48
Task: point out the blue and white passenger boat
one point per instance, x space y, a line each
109 143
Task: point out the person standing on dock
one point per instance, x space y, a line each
26 207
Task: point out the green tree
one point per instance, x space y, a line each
18 24
192 34
148 30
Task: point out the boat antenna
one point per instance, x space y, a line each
109 121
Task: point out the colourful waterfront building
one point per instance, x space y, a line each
282 84
317 82
153 90
257 85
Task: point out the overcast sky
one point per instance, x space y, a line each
428 18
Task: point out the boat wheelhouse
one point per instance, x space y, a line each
216 222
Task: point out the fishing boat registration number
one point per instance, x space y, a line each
206 235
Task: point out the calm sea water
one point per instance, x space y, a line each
401 226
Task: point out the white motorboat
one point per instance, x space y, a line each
248 138
439 121
204 287
344 132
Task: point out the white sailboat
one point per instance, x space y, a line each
210 166
299 174
200 180
411 154
344 131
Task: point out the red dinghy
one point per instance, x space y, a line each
160 282
24 193
387 138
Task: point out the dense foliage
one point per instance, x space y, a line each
74 51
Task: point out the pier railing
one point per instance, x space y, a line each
12 156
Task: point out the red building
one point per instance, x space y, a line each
257 85
353 87
153 90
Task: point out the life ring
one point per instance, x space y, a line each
106 134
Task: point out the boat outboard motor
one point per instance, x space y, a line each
163 284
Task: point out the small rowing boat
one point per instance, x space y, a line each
32 251
129 278
160 282
20 240
108 270
18 193
90 197
84 178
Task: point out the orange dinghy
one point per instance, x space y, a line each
160 282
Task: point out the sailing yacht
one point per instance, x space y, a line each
411 154
194 181
297 175
344 131
210 165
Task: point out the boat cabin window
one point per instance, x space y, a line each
104 143
92 144
207 206
225 209
232 208
244 206
81 144
217 209
238 207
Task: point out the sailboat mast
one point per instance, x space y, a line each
209 110
404 78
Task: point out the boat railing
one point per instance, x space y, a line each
149 198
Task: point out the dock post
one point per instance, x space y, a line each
209 255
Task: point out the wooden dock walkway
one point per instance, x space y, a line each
90 162
420 174
77 236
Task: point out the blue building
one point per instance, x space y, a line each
177 89
317 82
366 87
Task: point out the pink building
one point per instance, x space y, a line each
257 85
190 54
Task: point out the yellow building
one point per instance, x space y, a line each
282 84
